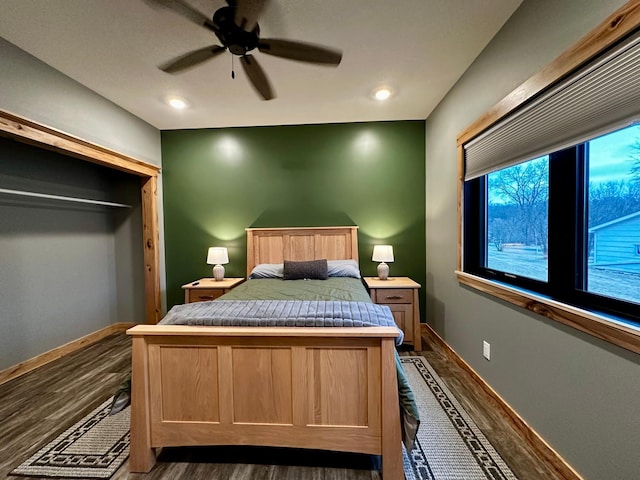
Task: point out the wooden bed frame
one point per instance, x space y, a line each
317 388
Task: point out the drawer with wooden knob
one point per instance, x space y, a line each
204 294
206 289
393 295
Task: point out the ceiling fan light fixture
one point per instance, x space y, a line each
236 27
381 94
177 103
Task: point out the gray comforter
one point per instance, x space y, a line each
282 313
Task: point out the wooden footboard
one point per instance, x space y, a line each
318 388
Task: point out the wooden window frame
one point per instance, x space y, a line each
621 23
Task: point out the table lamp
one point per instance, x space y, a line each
217 256
382 254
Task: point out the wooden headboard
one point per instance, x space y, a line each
274 245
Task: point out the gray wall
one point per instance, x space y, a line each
579 393
95 275
36 91
59 265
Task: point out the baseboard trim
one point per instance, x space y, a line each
46 357
530 436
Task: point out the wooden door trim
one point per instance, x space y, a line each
33 133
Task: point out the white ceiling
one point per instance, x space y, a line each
419 48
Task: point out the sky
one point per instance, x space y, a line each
609 155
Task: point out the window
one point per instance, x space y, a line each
614 215
565 225
548 182
517 219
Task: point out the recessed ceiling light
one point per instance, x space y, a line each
382 93
177 103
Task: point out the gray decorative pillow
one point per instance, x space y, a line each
311 270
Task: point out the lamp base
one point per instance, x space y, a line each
218 273
383 271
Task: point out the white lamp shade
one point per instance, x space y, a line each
382 253
217 256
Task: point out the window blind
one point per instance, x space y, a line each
599 98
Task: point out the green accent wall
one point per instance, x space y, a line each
217 182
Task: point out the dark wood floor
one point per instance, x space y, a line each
39 405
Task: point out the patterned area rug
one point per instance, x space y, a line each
450 446
95 447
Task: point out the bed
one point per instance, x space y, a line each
282 386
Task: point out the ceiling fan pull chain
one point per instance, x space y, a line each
233 73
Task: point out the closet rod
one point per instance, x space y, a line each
60 197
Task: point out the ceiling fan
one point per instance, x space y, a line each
237 29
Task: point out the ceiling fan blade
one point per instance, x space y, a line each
191 59
248 12
303 52
257 76
184 9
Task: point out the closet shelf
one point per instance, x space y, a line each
63 198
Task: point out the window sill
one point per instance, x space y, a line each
605 328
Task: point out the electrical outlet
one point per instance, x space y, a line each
486 350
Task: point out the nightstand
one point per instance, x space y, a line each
207 289
400 294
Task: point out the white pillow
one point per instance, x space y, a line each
343 268
268 270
